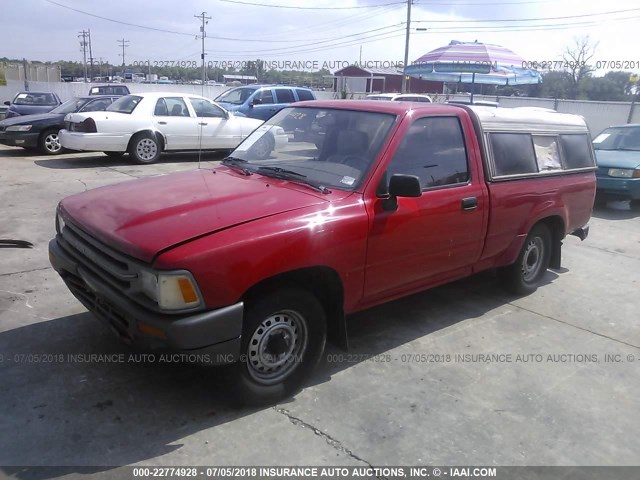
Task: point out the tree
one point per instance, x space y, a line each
576 62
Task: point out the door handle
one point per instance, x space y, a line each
203 124
469 203
162 123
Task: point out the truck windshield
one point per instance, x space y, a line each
618 138
333 148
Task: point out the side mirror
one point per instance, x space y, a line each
401 186
7 102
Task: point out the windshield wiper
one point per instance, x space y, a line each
283 174
236 163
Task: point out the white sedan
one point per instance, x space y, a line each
146 124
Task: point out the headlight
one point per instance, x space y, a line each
59 222
171 290
623 172
19 128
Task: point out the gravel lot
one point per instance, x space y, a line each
562 387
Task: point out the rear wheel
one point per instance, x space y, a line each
49 143
283 338
262 148
145 148
523 276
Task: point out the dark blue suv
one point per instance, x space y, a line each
262 101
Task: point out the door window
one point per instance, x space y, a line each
433 149
96 105
285 95
171 107
264 97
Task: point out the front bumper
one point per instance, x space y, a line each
93 142
19 139
214 336
618 188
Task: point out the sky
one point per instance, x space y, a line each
316 32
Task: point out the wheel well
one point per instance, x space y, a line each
158 135
48 130
555 224
324 283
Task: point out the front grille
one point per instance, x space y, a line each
99 260
602 171
101 308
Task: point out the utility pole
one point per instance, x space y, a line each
83 44
124 44
90 57
203 35
406 47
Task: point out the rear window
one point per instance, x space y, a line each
576 151
513 154
125 104
284 95
304 94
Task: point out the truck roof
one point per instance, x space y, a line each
526 119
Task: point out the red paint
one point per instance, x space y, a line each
233 231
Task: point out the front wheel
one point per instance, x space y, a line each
49 143
523 276
145 148
283 338
262 148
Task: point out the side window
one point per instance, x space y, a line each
576 151
433 149
284 95
176 107
513 153
304 94
204 108
547 155
264 97
161 108
96 105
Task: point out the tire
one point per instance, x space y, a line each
262 148
291 323
145 148
523 277
634 205
49 143
114 154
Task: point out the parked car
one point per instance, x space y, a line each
109 89
618 157
28 103
41 130
262 101
146 124
258 261
400 97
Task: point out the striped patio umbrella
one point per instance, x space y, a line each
473 62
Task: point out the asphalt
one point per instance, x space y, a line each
562 387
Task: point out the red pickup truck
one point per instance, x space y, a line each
256 261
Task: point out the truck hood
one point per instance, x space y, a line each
617 158
143 217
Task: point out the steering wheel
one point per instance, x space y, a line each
356 161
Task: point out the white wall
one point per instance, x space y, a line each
598 115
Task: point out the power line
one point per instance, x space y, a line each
290 7
532 19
